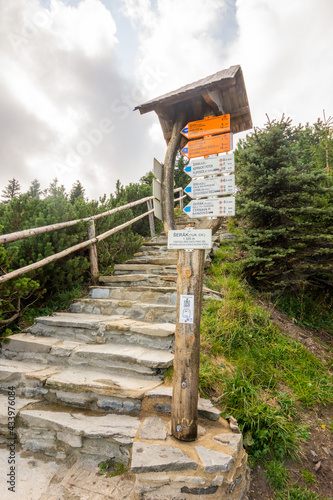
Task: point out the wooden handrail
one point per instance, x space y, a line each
79 246
19 235
7 238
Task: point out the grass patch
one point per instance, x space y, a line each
237 330
296 492
276 474
309 309
110 469
308 477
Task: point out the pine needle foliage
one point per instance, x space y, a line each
284 204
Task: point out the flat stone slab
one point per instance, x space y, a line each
153 428
84 482
155 458
143 267
103 383
21 342
110 322
151 358
121 428
20 403
32 477
233 441
13 371
206 409
214 461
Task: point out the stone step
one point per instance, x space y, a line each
58 433
143 311
160 261
154 295
94 328
161 241
120 269
96 390
159 400
127 359
129 280
154 253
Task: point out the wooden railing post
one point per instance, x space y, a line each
181 201
151 219
93 255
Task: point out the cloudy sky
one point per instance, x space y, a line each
72 71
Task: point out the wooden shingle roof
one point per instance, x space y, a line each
223 92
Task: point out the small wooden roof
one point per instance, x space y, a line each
221 93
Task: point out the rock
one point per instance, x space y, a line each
234 425
214 461
317 466
209 490
153 428
233 441
217 481
155 458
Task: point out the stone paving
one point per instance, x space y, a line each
88 389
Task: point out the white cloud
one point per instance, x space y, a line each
285 50
67 109
89 27
59 72
177 38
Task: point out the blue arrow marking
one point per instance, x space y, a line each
187 209
188 189
185 150
185 130
188 169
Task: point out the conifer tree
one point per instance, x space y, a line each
285 205
11 191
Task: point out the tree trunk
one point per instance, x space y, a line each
168 177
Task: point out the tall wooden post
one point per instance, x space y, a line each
93 255
184 412
168 176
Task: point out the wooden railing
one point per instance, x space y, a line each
92 238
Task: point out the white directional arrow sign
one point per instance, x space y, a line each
211 186
211 166
213 207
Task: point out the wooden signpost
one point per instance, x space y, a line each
219 94
209 145
211 207
208 126
211 166
211 186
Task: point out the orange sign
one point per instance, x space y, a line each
208 146
208 126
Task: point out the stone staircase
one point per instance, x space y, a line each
87 380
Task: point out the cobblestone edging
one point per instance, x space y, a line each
212 467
